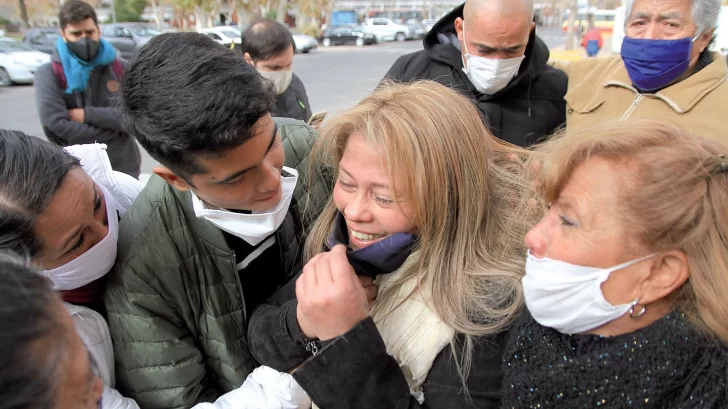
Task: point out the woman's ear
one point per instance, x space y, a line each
668 272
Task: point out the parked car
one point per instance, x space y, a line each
419 29
386 28
19 61
347 35
128 38
304 43
429 23
224 35
42 38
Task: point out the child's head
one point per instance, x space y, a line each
418 158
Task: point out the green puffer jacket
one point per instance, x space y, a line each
175 303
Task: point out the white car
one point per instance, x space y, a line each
387 30
304 43
225 35
18 62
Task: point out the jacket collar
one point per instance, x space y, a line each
684 95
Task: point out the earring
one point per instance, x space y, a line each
639 313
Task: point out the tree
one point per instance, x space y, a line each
129 10
23 15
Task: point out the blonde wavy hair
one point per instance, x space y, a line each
675 197
463 186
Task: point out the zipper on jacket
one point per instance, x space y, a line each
240 288
312 345
632 107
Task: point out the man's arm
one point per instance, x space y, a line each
103 117
273 334
54 115
158 363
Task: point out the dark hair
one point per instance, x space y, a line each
184 96
31 171
32 337
76 11
265 39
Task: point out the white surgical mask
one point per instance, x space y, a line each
567 297
489 75
95 262
281 79
254 227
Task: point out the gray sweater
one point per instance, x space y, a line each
102 120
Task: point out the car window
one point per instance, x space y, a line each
107 31
379 23
35 37
146 31
50 38
214 36
229 33
13 46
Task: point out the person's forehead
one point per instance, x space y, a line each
595 186
490 28
658 7
69 208
364 161
282 59
249 154
84 25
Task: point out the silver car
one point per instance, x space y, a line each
128 38
304 43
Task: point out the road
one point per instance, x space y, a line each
336 78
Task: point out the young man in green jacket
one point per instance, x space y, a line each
215 232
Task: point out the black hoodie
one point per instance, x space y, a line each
530 107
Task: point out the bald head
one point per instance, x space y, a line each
497 29
502 8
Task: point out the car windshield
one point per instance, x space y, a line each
145 31
230 33
13 46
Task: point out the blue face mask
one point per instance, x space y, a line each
655 64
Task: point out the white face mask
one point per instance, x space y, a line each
96 261
255 227
489 75
567 297
281 79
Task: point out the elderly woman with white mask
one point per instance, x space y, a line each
627 274
62 210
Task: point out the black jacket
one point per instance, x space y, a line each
668 365
530 107
102 120
293 102
354 370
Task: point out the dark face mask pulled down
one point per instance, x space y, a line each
85 48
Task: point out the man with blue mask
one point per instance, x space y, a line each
488 50
665 70
74 93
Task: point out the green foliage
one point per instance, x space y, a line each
129 10
271 15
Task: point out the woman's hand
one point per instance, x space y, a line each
331 298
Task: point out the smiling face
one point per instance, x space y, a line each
244 178
74 221
365 196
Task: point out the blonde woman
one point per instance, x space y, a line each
627 274
425 202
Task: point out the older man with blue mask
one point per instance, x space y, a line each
665 70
